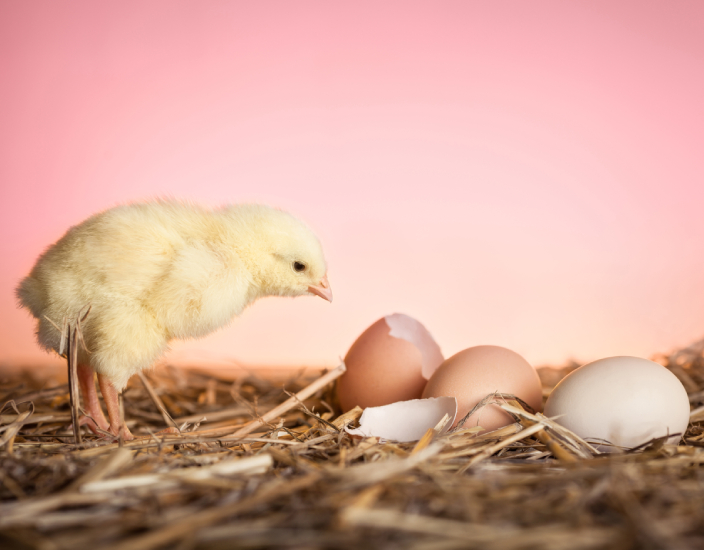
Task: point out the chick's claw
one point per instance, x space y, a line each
108 433
168 431
86 420
121 431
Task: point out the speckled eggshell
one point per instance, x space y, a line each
626 401
382 369
472 374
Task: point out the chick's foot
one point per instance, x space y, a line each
86 420
123 431
112 403
168 431
94 417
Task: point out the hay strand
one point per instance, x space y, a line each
292 401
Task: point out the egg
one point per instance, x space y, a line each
626 401
476 372
389 362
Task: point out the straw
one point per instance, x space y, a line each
297 479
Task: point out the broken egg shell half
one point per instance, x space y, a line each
476 372
626 401
387 363
406 420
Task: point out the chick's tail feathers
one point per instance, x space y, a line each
32 295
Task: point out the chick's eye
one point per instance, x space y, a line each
298 267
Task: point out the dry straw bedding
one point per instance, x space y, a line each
293 478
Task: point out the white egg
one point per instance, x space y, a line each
625 401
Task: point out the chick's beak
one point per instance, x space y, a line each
322 289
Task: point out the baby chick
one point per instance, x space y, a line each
155 271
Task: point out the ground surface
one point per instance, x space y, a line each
299 481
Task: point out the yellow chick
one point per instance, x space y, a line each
155 271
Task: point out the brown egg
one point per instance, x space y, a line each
387 363
472 374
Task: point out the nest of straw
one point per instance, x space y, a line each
265 462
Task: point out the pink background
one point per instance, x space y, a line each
527 174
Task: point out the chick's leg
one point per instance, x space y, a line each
90 400
112 403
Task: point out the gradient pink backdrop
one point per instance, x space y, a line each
527 174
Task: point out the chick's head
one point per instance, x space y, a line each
289 257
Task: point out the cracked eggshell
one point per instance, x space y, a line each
476 372
626 401
405 420
387 363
